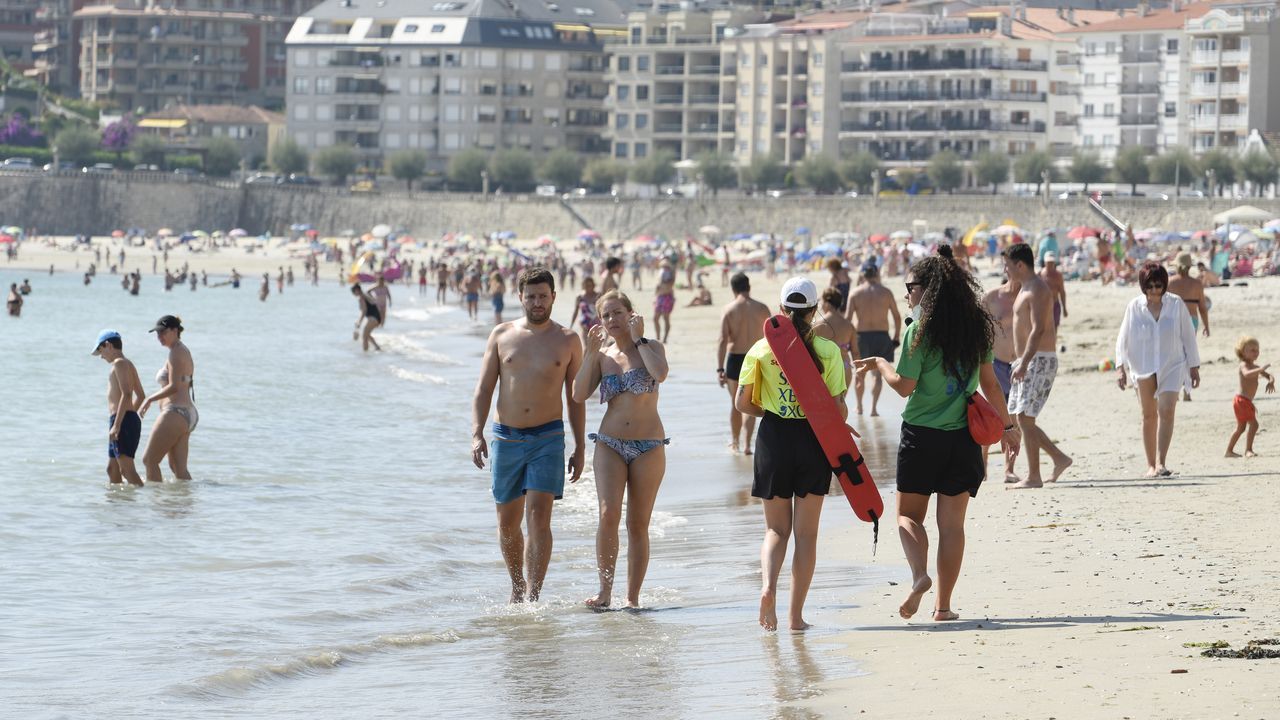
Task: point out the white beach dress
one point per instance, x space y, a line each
1165 348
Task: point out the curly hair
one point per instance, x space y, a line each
953 319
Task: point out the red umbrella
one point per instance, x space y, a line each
1079 233
117 233
878 238
1196 234
6 239
312 233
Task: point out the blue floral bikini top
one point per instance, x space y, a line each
636 381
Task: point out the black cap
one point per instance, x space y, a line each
167 322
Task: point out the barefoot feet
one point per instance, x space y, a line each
1028 484
912 603
1060 466
517 593
768 611
1151 472
1232 454
944 615
799 625
599 601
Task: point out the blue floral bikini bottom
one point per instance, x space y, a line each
628 450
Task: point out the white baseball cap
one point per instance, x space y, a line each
802 286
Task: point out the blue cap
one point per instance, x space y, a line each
104 336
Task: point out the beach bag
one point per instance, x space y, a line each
985 425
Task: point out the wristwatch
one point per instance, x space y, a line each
643 341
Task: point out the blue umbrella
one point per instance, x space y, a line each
740 236
827 249
507 235
299 227
802 231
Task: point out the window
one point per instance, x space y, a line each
324 85
764 60
624 93
817 117
1171 109
744 90
301 85
642 92
1171 45
745 60
410 29
1088 110
1109 110
641 150
437 28
816 88
1090 79
624 64
1111 48
1091 49
743 146
642 121
744 118
620 150
642 63
622 121
446 6
817 59
762 90
1108 141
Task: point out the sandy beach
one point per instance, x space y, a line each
1076 600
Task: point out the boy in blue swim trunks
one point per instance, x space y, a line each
124 395
530 362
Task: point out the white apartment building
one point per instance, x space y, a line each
1235 86
449 75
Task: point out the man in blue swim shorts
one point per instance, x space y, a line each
999 302
530 362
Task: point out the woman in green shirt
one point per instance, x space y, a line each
792 474
946 354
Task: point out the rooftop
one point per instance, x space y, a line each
219 114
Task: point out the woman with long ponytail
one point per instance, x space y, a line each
792 475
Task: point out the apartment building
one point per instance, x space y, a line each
451 75
669 87
138 54
255 131
1132 78
20 20
1234 88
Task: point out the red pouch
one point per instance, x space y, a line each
985 424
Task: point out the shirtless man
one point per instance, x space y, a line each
664 301
124 395
471 294
14 303
1052 277
870 307
530 362
1035 364
612 271
999 302
741 325
1191 290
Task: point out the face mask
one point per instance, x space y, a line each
914 317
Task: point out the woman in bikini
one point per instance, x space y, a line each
834 326
171 432
370 315
584 308
630 458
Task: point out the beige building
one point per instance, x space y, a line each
190 127
1234 86
449 76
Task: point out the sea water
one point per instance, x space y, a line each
336 552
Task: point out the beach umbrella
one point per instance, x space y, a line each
12 230
917 250
645 238
1244 214
901 235
187 237
709 230
1223 230
299 227
588 234
934 237
1200 234
219 233
1273 225
238 232
740 236
200 234
507 235
547 240
877 239
406 240
802 231
1143 235
1171 237
827 249
164 232
117 233
1007 229
380 230
5 238
1082 231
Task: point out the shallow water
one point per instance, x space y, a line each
336 552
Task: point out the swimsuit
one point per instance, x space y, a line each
372 312
1244 409
636 381
588 312
1028 396
1057 313
664 304
875 343
473 297
527 459
186 412
1004 371
498 302
126 442
847 348
733 366
843 288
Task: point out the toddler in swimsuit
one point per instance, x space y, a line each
1247 350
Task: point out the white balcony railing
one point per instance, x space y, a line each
1214 89
1217 122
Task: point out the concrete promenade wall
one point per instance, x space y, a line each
71 204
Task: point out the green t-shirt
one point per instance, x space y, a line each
770 389
937 401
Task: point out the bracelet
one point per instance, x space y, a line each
719 370
1007 428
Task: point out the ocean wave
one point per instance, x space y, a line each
401 345
418 377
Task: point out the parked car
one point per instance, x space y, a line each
63 166
364 186
297 179
99 168
262 178
146 168
545 191
187 173
19 163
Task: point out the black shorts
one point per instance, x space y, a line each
733 366
126 443
947 462
789 460
875 343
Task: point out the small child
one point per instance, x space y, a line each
1247 349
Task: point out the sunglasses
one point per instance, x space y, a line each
1153 286
913 286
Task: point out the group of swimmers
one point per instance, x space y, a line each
127 404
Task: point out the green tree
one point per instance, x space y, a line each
408 165
337 162
1087 169
1175 166
946 171
1031 168
561 168
819 173
602 173
76 144
717 171
1222 166
859 170
991 169
654 170
1258 168
222 157
147 149
465 168
763 172
287 157
1130 167
512 170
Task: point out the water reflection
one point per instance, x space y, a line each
796 675
174 499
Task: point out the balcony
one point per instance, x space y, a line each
1213 58
669 69
705 70
668 128
364 60
913 95
1139 88
704 99
1210 123
1139 118
586 94
1139 56
1214 90
937 64
669 99
680 40
704 128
